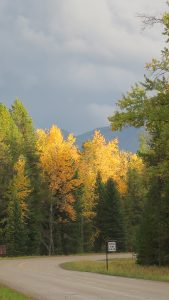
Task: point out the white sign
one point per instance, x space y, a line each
111 247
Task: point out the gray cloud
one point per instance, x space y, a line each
70 60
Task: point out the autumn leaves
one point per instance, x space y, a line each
64 167
59 160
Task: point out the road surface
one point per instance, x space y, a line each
43 279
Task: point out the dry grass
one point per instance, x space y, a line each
121 267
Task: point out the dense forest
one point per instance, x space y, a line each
147 104
56 198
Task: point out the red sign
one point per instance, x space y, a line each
2 250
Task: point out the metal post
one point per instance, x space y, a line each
107 259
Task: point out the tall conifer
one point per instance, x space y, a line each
25 126
113 216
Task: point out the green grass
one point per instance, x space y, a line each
19 257
121 267
9 294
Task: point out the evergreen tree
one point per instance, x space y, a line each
153 236
10 148
18 192
113 224
73 229
109 219
148 252
99 220
25 126
133 206
147 104
5 168
9 132
16 232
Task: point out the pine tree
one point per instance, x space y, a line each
25 126
9 132
5 171
113 221
149 252
99 219
133 203
16 231
10 149
73 231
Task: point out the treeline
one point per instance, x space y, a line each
57 199
147 104
20 192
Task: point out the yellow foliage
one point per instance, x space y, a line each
106 158
59 162
136 163
21 184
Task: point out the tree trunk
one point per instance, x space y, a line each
51 244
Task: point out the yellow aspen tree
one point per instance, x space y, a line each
21 185
19 191
107 159
136 163
59 163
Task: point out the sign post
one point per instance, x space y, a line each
110 247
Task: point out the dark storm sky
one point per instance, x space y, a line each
69 61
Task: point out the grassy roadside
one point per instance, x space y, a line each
10 294
19 257
124 267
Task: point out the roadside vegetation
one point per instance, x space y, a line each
9 294
125 267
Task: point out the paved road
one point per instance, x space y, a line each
44 279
